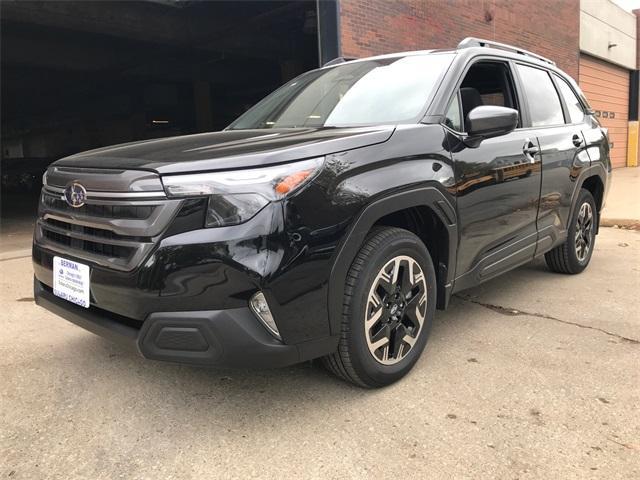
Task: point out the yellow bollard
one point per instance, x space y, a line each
632 144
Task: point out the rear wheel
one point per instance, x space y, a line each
389 304
574 255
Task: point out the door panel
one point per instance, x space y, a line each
498 188
564 155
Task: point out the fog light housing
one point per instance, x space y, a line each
260 308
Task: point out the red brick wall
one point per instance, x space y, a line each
548 27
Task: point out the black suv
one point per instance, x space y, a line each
331 219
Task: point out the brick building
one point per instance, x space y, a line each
78 75
369 27
595 41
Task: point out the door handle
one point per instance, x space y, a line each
577 140
530 149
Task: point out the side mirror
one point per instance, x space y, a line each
489 121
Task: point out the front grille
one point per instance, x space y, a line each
117 231
53 202
106 250
58 238
51 230
95 232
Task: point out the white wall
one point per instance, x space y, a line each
603 23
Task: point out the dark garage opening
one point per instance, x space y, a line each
80 75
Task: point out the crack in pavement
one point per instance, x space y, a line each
625 445
515 312
14 258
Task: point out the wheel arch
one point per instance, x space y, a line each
594 179
595 185
424 211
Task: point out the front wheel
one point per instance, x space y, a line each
389 304
574 254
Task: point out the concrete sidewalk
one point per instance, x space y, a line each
622 207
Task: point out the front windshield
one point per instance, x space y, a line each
382 91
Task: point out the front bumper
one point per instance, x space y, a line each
187 299
229 338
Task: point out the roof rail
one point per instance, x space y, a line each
337 61
479 42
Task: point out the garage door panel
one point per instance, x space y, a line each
599 64
598 77
604 101
617 127
614 91
616 95
606 86
601 67
608 75
617 137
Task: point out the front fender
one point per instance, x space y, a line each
430 197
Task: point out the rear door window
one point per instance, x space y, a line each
574 107
542 98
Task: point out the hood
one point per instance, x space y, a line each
228 149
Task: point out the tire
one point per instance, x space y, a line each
570 257
385 251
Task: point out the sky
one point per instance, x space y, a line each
628 4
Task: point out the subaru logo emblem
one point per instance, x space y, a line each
75 195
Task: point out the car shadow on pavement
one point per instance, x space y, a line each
209 382
244 393
109 362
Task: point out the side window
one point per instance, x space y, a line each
542 98
487 83
453 119
576 113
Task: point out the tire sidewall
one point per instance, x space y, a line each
363 361
577 265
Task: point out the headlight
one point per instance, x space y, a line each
237 195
